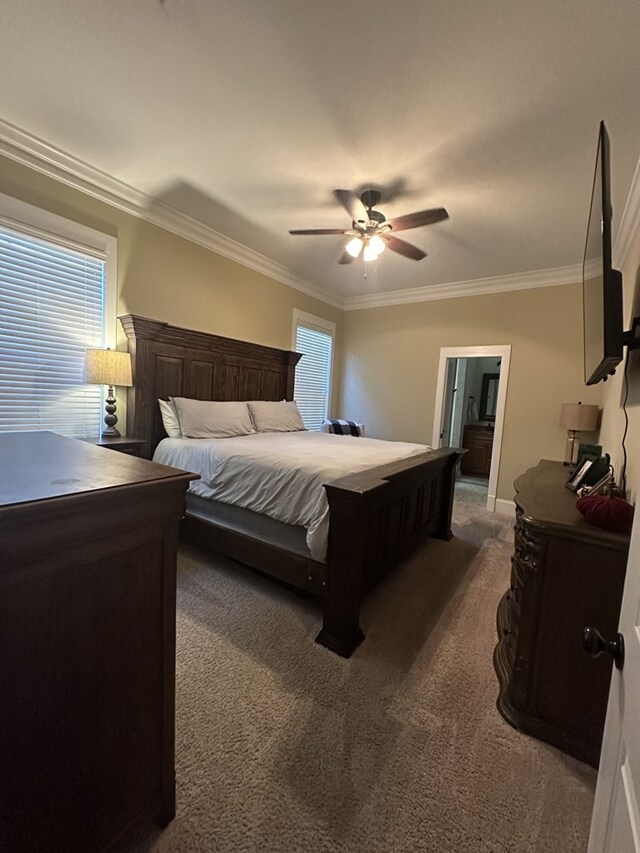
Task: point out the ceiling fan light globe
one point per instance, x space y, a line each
377 244
354 247
370 253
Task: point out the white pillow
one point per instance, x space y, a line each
268 416
170 419
212 418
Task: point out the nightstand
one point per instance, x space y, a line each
123 444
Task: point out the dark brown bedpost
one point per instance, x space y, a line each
293 359
341 632
443 530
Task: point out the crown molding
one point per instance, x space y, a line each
35 153
629 223
28 150
474 287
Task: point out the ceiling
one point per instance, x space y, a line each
245 115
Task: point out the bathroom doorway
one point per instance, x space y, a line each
469 411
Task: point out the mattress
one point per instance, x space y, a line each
280 475
255 524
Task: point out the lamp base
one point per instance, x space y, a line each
110 419
571 448
110 432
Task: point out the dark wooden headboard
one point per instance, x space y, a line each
168 361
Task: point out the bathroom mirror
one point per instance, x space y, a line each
489 396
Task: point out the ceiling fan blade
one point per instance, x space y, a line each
321 231
352 204
403 248
421 217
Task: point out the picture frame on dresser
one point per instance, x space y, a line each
577 478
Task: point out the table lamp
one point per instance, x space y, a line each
576 417
108 367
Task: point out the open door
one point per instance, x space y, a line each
615 826
442 406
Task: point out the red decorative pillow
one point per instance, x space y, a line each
612 513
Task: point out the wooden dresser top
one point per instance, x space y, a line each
37 466
546 502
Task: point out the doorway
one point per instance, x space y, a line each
469 411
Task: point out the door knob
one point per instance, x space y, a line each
595 644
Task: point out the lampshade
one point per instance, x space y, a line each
373 246
354 247
369 253
377 244
579 417
107 367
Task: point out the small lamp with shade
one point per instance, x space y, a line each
112 368
577 417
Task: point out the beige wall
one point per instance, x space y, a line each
166 277
387 373
391 360
613 416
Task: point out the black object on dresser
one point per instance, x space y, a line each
566 575
87 642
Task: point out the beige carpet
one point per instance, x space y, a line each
282 746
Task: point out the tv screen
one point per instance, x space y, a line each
601 284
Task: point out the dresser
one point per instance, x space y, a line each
87 642
566 574
478 442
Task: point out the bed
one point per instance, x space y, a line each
376 516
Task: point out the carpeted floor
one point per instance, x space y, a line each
284 747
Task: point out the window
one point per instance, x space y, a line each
57 297
313 337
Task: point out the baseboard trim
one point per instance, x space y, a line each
504 507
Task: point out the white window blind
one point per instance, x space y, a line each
313 375
51 310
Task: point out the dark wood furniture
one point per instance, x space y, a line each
123 444
478 441
87 642
376 517
566 575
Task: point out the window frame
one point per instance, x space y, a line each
318 324
43 224
35 222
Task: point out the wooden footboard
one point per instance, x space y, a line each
377 518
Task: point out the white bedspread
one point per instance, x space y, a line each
280 474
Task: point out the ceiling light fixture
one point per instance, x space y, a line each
370 253
373 247
377 244
370 228
354 247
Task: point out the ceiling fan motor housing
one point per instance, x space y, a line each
376 216
370 198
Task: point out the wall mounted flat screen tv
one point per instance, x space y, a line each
601 284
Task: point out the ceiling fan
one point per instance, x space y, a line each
370 229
